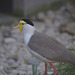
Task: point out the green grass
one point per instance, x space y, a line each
66 69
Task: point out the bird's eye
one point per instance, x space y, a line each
22 23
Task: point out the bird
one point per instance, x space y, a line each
43 47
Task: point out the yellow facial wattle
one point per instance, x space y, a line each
20 26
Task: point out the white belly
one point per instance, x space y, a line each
38 55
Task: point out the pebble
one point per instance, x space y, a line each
9 40
51 14
40 26
41 16
10 61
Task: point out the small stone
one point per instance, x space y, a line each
5 31
51 14
63 8
40 26
14 65
33 61
29 67
13 49
22 67
29 72
50 32
41 16
69 28
1 67
9 40
15 31
50 73
15 72
59 17
71 8
10 61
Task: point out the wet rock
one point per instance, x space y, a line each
70 28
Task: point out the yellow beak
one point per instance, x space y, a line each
20 28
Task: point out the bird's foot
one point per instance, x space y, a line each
55 70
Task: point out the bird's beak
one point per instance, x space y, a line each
20 28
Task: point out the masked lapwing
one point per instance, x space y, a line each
44 47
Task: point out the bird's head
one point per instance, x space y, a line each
22 23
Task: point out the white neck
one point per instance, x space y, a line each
28 32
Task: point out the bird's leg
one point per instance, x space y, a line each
55 70
45 69
34 69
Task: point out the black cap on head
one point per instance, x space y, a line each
28 21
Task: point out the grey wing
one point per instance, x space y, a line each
49 48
